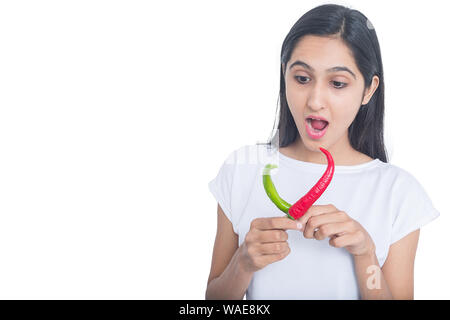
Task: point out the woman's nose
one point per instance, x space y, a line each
317 99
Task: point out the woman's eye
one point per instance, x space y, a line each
301 79
339 85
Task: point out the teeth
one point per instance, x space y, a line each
316 119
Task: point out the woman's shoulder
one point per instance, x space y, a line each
253 155
394 169
401 178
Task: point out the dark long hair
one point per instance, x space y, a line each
366 131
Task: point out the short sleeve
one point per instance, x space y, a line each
414 211
221 186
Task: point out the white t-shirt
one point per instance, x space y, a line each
385 199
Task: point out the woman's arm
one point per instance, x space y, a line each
396 279
227 279
233 266
371 281
399 266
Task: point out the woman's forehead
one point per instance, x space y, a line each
322 53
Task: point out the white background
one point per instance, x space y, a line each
115 115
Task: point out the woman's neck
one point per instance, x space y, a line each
343 156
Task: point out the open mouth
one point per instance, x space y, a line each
316 125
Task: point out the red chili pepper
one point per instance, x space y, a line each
299 208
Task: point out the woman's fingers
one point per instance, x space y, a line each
316 210
272 236
329 230
283 223
342 241
271 229
271 258
318 223
266 241
263 236
273 247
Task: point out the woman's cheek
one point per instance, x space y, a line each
340 124
296 105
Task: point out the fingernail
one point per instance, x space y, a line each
299 226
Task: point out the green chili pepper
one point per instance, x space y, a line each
272 192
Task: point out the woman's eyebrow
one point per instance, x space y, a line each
334 69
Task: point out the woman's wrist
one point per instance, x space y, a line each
233 282
367 259
241 263
369 253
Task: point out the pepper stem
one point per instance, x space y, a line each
272 192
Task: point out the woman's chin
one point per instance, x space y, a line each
313 145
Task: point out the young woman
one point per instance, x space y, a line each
359 240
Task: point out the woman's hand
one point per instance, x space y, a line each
322 221
266 242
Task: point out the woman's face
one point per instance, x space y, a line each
323 80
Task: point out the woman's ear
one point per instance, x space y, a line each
371 90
